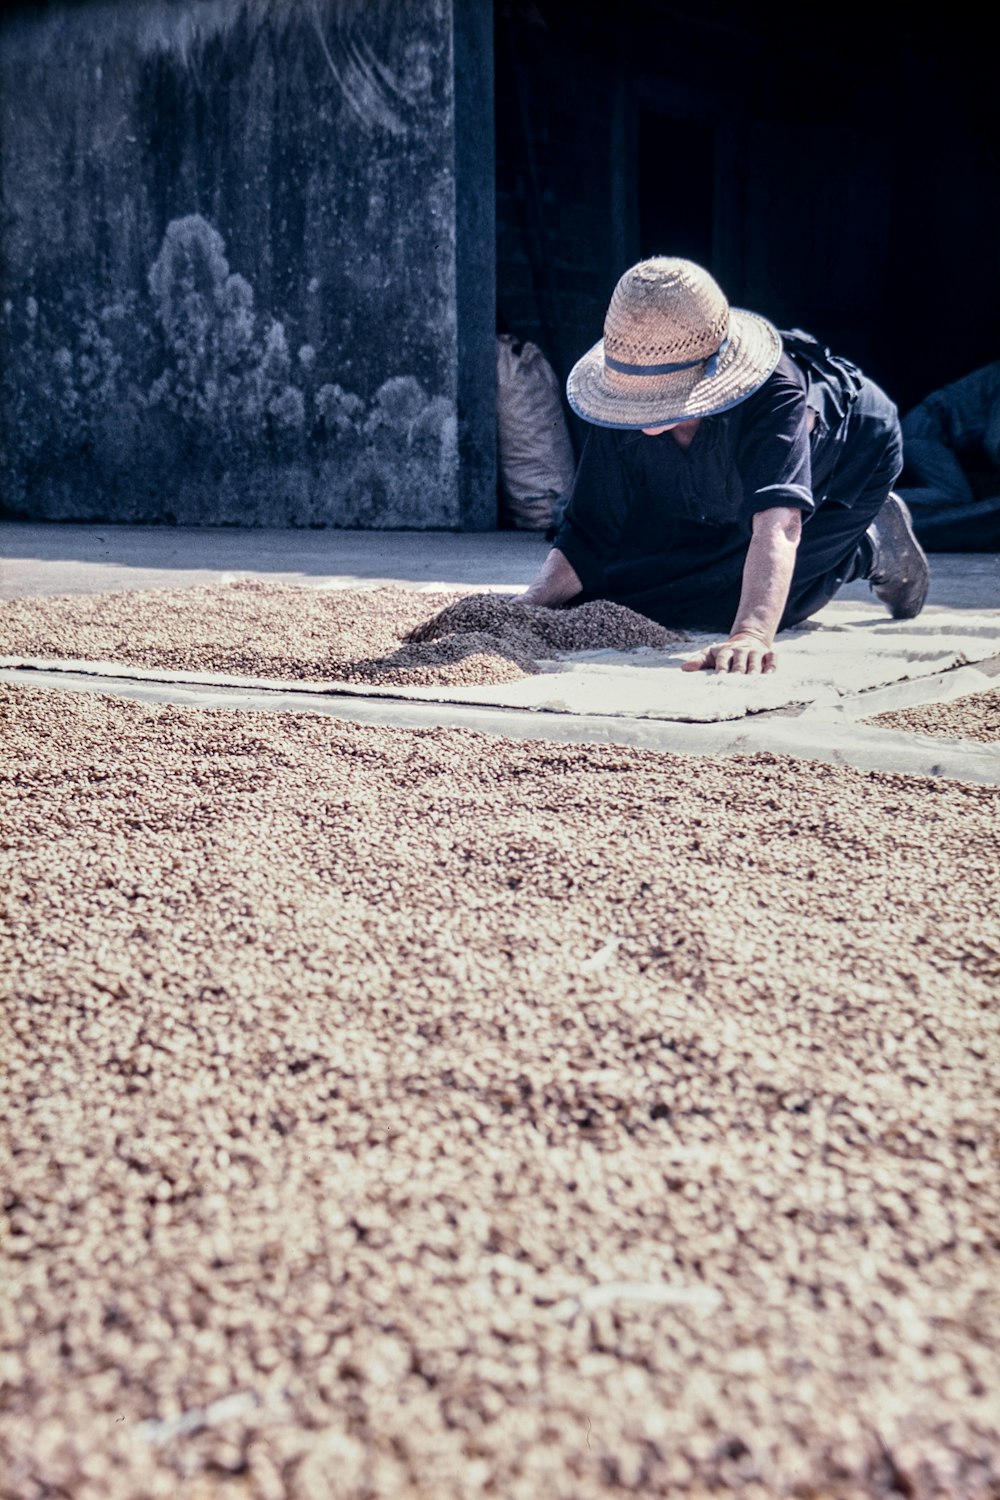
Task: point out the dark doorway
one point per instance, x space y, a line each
815 181
676 187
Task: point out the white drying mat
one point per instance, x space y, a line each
819 664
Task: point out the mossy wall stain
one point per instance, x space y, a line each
229 264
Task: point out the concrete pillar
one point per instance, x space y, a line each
249 263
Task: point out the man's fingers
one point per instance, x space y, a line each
759 661
733 660
752 660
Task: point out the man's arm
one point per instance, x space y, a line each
767 577
555 583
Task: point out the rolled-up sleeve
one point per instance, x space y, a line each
773 448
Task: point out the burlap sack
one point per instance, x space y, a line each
535 453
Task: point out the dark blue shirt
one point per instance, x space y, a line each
644 508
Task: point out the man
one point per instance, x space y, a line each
733 479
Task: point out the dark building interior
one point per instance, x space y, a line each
837 177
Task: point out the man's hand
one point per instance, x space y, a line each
743 653
767 575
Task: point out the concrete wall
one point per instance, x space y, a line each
248 263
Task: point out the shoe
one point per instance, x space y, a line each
900 573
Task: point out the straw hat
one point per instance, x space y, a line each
673 349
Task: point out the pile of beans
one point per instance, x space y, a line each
253 628
596 626
417 1113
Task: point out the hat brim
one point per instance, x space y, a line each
609 399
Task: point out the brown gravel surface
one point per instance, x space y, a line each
976 717
422 1114
253 628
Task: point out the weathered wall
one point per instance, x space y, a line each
232 234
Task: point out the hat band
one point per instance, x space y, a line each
711 363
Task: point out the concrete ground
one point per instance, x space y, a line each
70 559
42 560
39 559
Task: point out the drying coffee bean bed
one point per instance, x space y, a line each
253 628
976 717
422 1114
